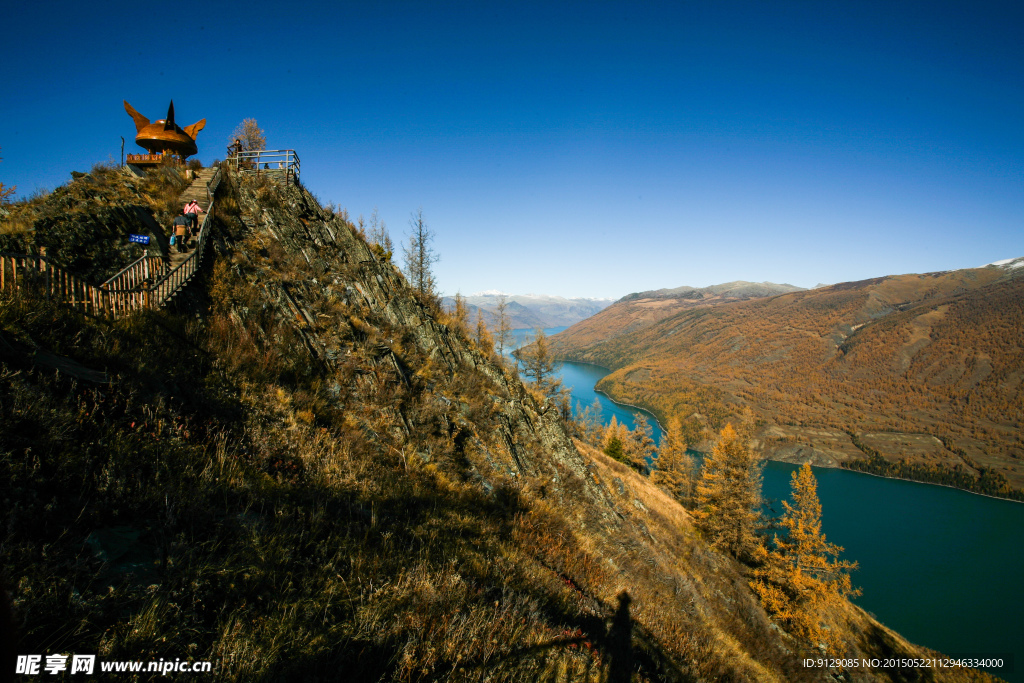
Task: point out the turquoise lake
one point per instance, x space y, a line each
944 568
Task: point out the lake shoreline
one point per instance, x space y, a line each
646 411
630 405
915 481
831 467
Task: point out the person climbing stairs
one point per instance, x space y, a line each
194 192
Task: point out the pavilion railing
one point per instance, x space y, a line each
274 163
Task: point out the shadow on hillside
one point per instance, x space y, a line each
622 648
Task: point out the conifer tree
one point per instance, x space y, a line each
728 496
610 430
460 313
540 365
615 436
614 449
673 467
503 334
801 577
640 446
484 341
420 256
379 234
588 423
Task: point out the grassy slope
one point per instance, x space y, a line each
363 496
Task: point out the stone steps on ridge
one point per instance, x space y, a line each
196 191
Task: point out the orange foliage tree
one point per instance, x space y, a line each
801 577
728 496
674 468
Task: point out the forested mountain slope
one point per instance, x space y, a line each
922 368
305 470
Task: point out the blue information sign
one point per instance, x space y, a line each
141 239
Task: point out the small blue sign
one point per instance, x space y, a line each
140 239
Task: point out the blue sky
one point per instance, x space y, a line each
579 149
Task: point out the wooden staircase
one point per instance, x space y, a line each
183 266
196 191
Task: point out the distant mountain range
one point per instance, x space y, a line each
532 310
927 368
740 289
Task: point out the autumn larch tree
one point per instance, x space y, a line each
484 340
728 496
540 365
673 468
379 236
460 314
249 133
420 257
503 333
588 423
802 576
640 447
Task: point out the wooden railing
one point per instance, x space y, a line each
36 275
144 269
144 283
136 287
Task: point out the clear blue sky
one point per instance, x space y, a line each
580 149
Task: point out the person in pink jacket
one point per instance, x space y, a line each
192 210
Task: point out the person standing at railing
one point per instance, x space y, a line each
192 210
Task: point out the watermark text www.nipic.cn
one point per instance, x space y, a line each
35 665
